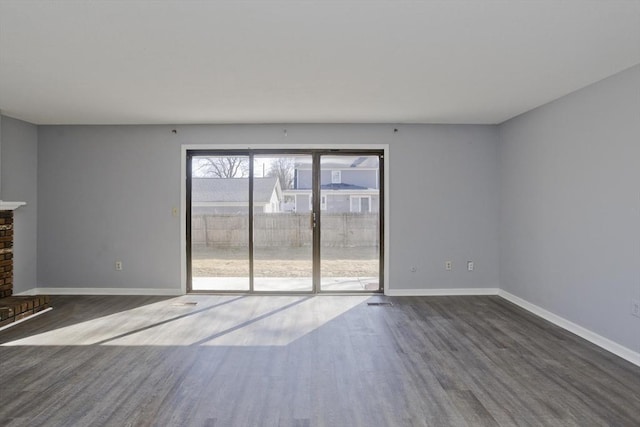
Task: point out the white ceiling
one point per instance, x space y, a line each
347 61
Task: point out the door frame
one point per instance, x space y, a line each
341 148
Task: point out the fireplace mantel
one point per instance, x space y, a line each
10 206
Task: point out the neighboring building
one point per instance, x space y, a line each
231 195
347 184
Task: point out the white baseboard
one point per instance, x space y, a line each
102 291
588 335
440 292
173 292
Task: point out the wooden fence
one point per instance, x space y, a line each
285 230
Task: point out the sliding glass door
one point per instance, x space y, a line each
219 222
350 222
282 236
275 221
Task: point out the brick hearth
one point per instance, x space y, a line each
13 308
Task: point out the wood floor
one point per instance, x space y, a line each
306 361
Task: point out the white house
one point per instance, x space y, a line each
231 195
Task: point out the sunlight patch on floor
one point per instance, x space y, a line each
282 327
212 321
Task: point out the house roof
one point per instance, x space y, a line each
342 162
233 189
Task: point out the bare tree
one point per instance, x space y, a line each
222 167
283 168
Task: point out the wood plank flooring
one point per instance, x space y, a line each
306 361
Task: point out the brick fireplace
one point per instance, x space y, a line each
13 308
6 253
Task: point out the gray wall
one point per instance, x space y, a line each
19 162
444 206
570 209
106 194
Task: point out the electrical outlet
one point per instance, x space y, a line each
470 265
635 307
175 212
119 265
448 265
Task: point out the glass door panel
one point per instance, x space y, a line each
350 223
282 227
220 223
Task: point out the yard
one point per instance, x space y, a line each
285 262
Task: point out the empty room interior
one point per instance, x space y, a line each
349 213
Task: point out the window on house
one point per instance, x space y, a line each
361 204
323 203
336 177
